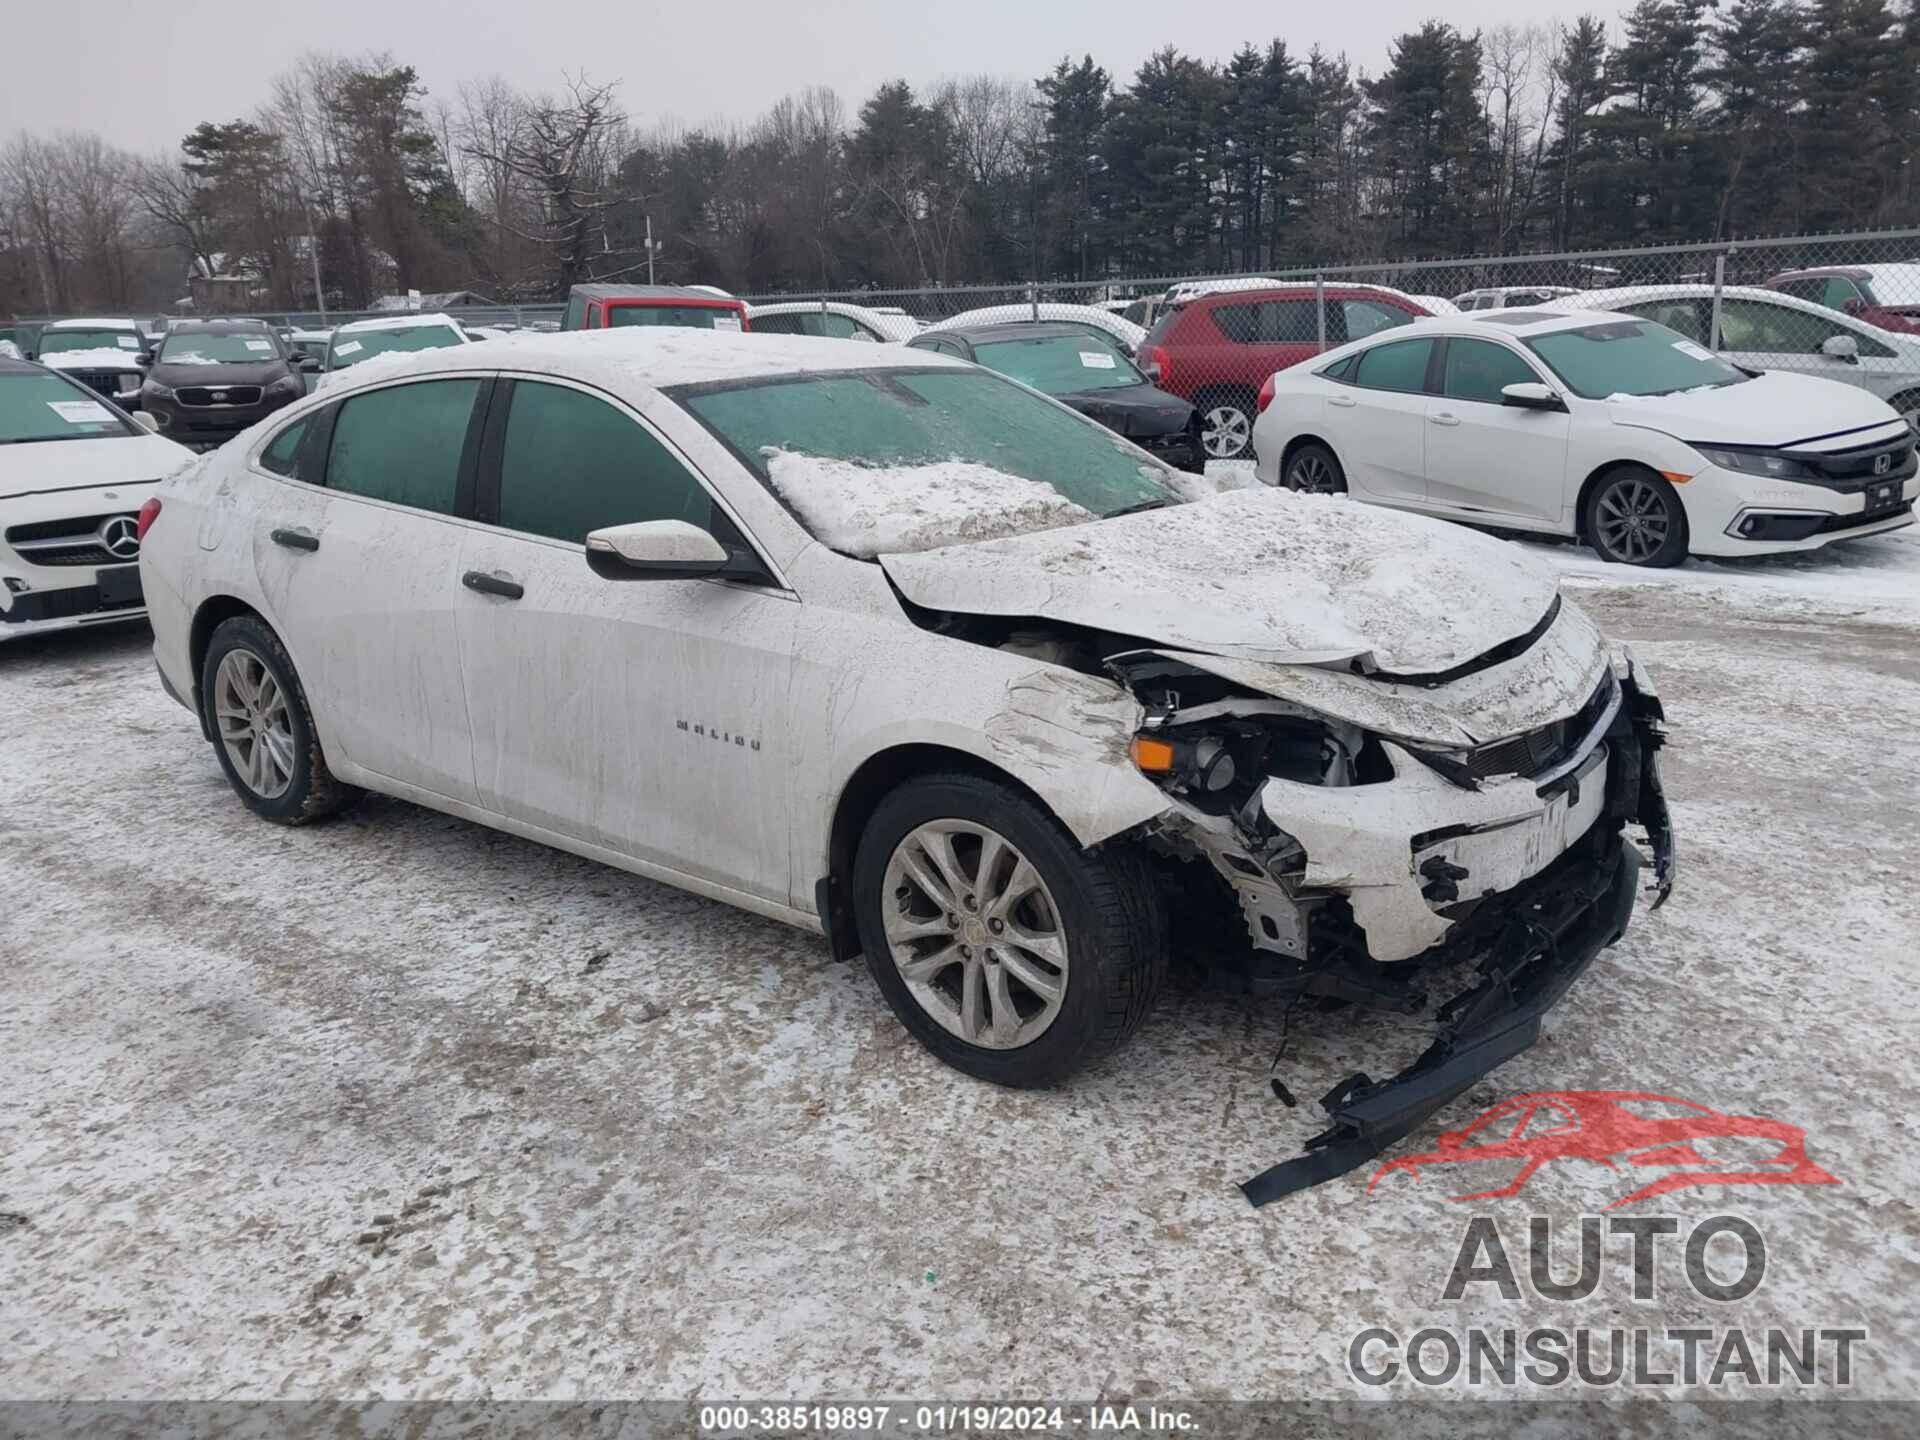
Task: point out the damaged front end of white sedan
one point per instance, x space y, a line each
1391 755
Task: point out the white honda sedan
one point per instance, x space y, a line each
889 647
1609 427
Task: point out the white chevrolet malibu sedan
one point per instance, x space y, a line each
1607 427
890 648
74 472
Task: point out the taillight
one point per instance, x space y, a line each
1160 365
149 513
1266 394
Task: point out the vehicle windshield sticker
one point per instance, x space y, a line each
1095 360
259 344
726 322
126 342
1687 347
80 412
352 347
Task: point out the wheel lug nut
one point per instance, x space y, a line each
966 952
953 922
996 926
968 902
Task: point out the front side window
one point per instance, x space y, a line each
212 348
62 342
990 457
1480 370
350 347
571 464
35 406
688 317
1840 293
1400 366
1060 364
1630 357
1680 316
1755 326
403 443
1370 317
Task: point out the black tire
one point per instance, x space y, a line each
1315 470
1633 492
311 792
1222 438
1107 903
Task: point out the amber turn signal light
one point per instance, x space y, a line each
1153 756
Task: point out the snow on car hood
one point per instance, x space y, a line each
1263 575
100 358
1775 409
31 467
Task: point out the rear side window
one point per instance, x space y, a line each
1370 317
282 455
576 316
571 464
1399 366
1269 322
689 317
404 444
1480 370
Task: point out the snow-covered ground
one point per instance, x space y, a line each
399 1106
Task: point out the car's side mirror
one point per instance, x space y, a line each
146 422
1531 395
663 550
1841 347
308 363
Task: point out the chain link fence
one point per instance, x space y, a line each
1844 306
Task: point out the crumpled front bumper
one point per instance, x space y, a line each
1531 937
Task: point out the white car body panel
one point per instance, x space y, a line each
703 732
1525 469
881 325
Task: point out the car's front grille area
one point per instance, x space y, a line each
1858 464
110 383
1849 522
75 540
1541 749
229 394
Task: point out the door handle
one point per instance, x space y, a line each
1443 418
1345 402
296 540
493 585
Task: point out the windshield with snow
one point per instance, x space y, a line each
1631 357
1060 364
878 462
211 348
44 407
55 342
350 348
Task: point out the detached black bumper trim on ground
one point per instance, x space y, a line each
1563 918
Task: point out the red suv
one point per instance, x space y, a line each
598 307
1217 350
1884 295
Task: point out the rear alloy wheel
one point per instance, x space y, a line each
1314 469
262 729
1634 517
1226 428
1008 950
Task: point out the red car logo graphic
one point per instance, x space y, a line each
1615 1127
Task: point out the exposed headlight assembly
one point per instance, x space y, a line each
1769 464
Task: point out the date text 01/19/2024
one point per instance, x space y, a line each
853 1418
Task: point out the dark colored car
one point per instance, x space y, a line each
213 378
1884 295
1217 349
1087 371
600 307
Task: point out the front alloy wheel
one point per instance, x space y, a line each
1227 431
975 934
1635 518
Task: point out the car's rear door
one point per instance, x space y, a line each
1377 421
1484 456
362 572
646 717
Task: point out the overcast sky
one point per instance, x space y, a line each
144 76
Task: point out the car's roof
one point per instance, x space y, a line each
92 325
9 366
216 327
626 358
400 322
1016 330
674 294
1588 300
